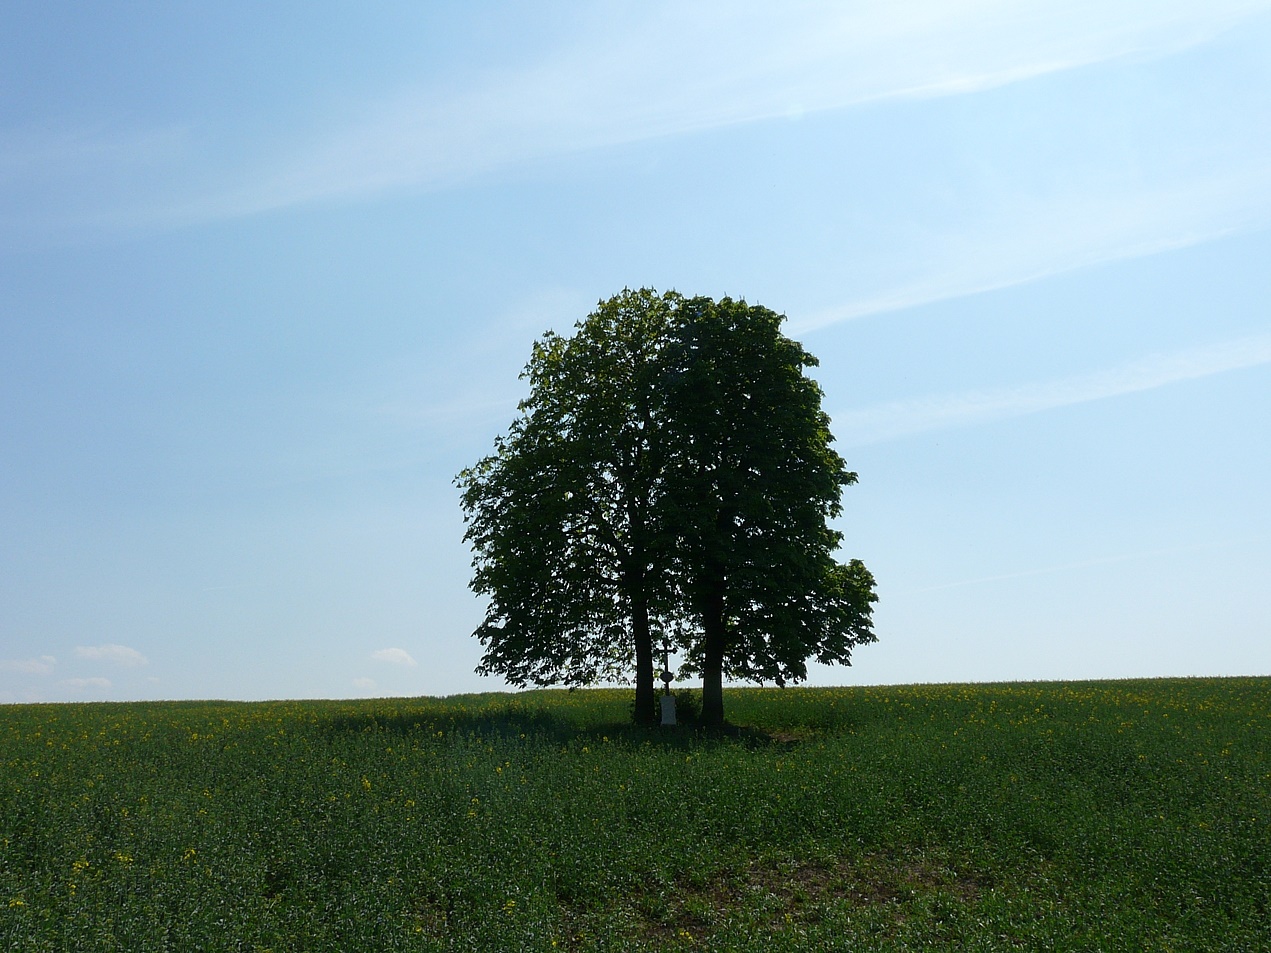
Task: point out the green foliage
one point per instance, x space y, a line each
671 465
688 706
1114 816
752 483
569 541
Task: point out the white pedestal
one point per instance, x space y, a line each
668 710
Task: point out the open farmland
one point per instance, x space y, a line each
1130 815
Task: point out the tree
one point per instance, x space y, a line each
564 517
671 464
752 482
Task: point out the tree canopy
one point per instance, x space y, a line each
752 485
670 470
564 517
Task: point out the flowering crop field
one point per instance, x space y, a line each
1129 815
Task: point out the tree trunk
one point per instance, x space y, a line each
714 638
645 696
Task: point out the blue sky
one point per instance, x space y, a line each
267 280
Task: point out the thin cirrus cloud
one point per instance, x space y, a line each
393 657
94 682
118 654
41 665
899 419
673 69
626 74
1026 238
1096 562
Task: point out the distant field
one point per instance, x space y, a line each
1045 816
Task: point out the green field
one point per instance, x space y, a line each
1130 815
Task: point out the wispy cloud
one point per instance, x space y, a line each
393 657
1029 237
118 654
905 418
364 684
95 682
27 154
459 410
627 73
481 386
42 665
1071 567
671 68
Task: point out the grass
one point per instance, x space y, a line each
1043 816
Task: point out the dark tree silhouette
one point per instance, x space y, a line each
565 519
672 464
751 486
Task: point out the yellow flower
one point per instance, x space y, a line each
17 902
